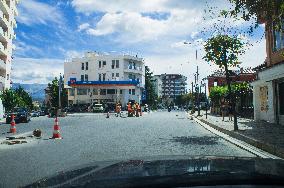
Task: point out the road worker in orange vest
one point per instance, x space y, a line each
136 109
129 109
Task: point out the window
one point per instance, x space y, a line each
112 75
82 77
130 65
104 63
71 92
95 91
121 91
86 77
82 91
278 42
87 65
104 77
111 91
100 77
133 91
134 66
100 64
117 64
117 75
82 67
102 91
112 64
129 91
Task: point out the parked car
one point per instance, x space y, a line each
98 108
42 113
21 115
35 114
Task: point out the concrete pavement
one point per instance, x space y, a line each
263 135
88 139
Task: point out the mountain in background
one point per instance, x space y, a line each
35 90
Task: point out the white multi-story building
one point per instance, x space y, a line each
8 11
158 83
97 78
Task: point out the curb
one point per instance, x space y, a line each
244 142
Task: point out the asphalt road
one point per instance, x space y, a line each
94 138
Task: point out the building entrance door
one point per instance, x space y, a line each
281 103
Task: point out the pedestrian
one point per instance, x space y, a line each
137 109
129 109
230 111
223 110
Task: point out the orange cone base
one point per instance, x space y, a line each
13 130
57 137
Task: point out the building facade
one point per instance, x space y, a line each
268 89
172 85
8 11
157 83
218 78
107 79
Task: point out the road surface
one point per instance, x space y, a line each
93 137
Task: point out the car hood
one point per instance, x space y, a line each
174 171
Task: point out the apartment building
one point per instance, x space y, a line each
99 78
8 11
172 85
157 83
268 89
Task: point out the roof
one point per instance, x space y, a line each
221 73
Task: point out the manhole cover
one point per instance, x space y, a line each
194 140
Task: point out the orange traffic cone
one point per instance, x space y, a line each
13 124
56 130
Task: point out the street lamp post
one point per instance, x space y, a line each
204 85
59 94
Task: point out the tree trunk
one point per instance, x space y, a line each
232 99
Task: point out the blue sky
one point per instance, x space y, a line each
50 31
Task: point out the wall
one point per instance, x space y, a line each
266 115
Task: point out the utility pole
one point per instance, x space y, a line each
59 94
198 88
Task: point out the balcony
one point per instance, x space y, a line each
3 36
16 11
4 7
3 21
137 71
2 50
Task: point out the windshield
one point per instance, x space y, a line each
115 82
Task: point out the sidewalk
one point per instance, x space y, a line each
263 135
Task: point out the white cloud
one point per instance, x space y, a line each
29 70
33 12
83 26
129 25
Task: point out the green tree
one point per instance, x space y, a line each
16 98
149 87
257 11
24 99
9 99
223 50
53 88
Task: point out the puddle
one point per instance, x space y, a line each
195 140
